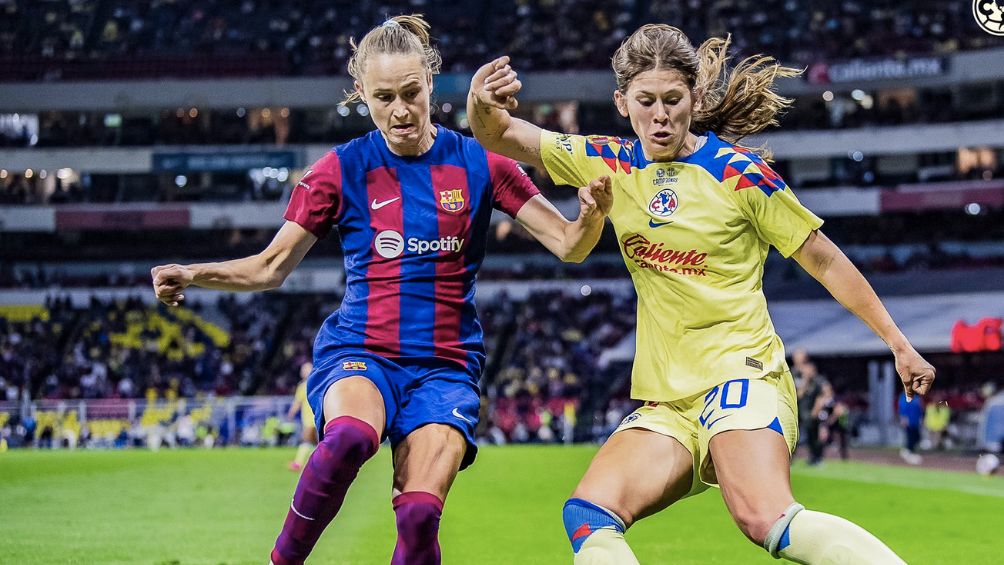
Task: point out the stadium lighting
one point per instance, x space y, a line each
363 110
828 96
193 113
63 174
282 175
585 290
3 173
344 111
858 94
857 156
29 173
447 107
180 181
241 112
43 173
284 112
973 209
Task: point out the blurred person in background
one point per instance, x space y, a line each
937 416
911 413
696 216
308 438
814 392
838 427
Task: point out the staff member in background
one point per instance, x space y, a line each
910 414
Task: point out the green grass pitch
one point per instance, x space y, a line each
226 507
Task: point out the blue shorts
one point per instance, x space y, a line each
414 393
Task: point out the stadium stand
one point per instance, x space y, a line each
905 170
115 39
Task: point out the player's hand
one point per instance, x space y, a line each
169 282
496 84
596 199
916 373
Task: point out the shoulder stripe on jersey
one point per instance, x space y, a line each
738 168
614 151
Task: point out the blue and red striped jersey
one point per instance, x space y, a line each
413 231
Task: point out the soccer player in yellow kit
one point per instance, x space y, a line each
309 434
695 216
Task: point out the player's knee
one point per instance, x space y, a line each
755 523
582 518
348 440
418 515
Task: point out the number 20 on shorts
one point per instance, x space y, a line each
733 394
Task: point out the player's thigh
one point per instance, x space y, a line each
637 473
753 471
428 460
357 397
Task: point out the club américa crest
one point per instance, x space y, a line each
664 203
452 200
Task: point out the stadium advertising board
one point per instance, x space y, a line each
183 162
864 70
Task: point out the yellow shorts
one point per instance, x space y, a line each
740 404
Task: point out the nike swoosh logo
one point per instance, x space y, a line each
377 205
459 415
654 224
717 420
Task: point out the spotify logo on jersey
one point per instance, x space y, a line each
389 244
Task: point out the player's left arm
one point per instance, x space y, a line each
570 241
822 259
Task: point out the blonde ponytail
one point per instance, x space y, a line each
404 35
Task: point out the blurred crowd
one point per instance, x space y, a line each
312 38
558 371
127 349
546 357
549 355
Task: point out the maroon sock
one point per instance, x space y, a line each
348 443
418 515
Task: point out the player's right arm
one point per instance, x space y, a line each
314 208
492 95
262 271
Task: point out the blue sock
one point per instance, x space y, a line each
582 518
785 539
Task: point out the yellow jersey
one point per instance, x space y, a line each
694 234
306 414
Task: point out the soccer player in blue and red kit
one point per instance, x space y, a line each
402 356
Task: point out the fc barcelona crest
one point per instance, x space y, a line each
452 200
